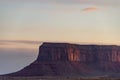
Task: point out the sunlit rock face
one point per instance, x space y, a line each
81 53
64 59
58 52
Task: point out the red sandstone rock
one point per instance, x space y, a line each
63 59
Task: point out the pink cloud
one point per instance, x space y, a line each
89 9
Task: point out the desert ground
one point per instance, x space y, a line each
56 78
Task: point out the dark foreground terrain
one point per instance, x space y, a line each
56 78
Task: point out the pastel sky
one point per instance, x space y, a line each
15 55
85 21
25 23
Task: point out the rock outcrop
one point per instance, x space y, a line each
81 53
64 59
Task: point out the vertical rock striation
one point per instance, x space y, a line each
81 53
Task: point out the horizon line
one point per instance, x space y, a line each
70 42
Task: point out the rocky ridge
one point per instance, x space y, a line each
64 59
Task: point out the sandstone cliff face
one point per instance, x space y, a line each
58 52
81 53
56 59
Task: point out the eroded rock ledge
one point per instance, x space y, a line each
81 53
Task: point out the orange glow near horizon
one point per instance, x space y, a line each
14 45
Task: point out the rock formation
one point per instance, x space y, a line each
81 53
64 59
